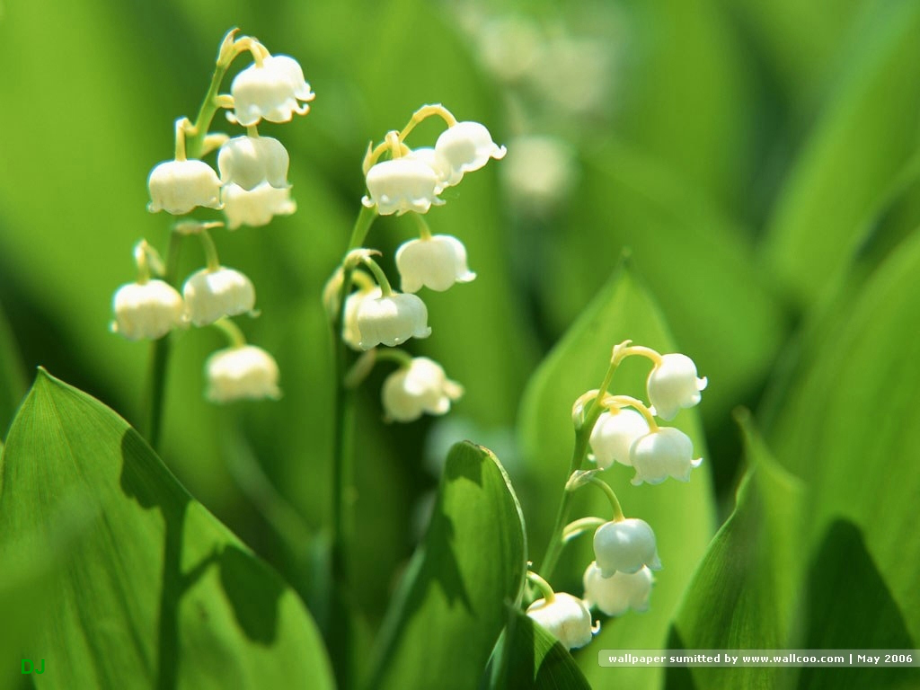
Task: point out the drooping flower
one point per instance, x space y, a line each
565 617
391 320
613 434
244 372
465 147
625 546
177 187
435 262
666 452
401 185
147 311
673 384
420 387
350 333
250 161
271 91
255 208
616 594
213 294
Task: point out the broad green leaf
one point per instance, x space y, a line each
849 425
743 596
698 264
450 608
865 134
527 657
681 514
157 592
13 385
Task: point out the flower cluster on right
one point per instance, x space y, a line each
623 430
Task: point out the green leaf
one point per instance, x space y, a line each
850 426
682 515
743 596
157 593
449 611
527 657
13 385
865 135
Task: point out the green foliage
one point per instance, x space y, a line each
152 591
452 598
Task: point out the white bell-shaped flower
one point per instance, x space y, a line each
238 373
613 434
391 320
465 147
250 161
427 155
177 187
435 262
673 384
401 185
664 453
211 295
350 333
271 91
617 594
565 617
147 311
420 387
255 208
625 546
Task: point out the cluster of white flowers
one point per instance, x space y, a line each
410 180
625 549
251 189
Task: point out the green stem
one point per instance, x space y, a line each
232 332
156 386
611 496
194 143
212 260
385 288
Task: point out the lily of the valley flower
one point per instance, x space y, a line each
617 594
401 185
566 617
147 311
613 434
271 91
177 187
625 546
673 384
255 208
350 333
434 262
238 373
465 147
391 320
213 294
249 161
420 387
665 452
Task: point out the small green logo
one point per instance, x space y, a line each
29 667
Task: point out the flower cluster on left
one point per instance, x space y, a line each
249 187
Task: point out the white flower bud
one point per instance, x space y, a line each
420 387
238 373
566 618
270 91
147 311
625 546
614 433
177 187
211 295
255 208
436 262
673 384
465 147
401 185
617 594
350 333
664 453
250 161
391 320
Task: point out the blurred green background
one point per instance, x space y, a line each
756 158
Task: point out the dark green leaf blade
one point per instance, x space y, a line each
451 604
157 593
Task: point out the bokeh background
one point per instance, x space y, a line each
755 159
